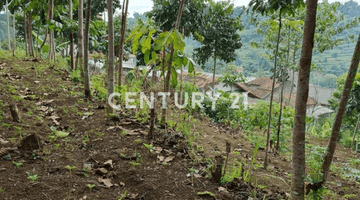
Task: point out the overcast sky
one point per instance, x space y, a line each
142 6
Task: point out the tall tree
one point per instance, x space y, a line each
298 156
72 64
29 32
51 35
272 91
80 47
26 35
110 61
8 25
122 36
86 51
341 110
220 32
169 69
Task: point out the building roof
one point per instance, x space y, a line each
244 87
310 102
202 81
318 111
321 94
262 86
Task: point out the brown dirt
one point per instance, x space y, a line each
95 139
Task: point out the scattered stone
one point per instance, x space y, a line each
132 196
108 164
36 82
122 184
30 143
161 158
3 141
101 171
14 112
107 182
169 159
111 174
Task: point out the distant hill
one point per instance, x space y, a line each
332 62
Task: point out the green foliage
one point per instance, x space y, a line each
90 186
235 172
75 76
17 164
220 32
32 177
314 159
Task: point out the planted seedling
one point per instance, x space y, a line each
32 177
17 164
86 171
57 145
68 167
99 134
123 133
90 186
150 147
123 195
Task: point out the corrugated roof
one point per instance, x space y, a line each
244 87
310 102
262 86
202 81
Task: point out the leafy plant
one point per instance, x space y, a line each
32 177
70 168
86 171
90 186
17 164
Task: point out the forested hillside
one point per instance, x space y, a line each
331 62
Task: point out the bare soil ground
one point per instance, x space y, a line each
108 152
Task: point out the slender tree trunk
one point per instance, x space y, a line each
45 38
163 66
213 82
298 156
110 61
31 49
51 32
81 36
341 110
272 93
71 37
152 117
14 35
282 91
356 128
122 38
8 25
37 41
26 35
181 77
76 60
281 107
293 73
168 75
144 84
86 51
181 83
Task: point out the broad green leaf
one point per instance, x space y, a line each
146 57
61 134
